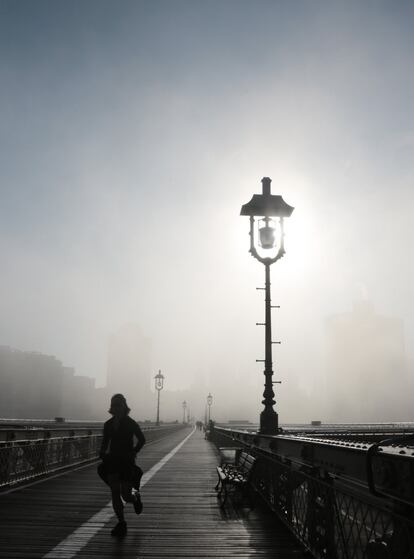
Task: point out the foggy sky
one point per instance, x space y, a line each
132 132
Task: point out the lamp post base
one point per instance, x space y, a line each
269 422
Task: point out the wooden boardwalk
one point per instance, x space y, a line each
181 517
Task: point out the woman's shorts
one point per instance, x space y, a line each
126 469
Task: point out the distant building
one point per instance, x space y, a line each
366 378
38 386
79 396
30 384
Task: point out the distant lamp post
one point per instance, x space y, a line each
159 385
184 408
267 246
209 402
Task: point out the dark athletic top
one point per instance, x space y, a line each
120 442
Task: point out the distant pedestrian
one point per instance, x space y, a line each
122 440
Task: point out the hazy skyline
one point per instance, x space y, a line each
132 132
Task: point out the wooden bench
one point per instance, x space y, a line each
235 477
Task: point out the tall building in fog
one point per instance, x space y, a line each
79 396
129 368
366 371
30 384
37 386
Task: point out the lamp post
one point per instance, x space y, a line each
209 402
159 385
184 408
267 249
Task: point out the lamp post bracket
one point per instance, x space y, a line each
275 306
276 342
261 288
260 360
260 324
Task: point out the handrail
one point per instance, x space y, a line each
319 489
351 461
24 460
31 432
374 451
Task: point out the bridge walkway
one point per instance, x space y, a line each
69 515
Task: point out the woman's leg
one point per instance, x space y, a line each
118 505
131 496
126 492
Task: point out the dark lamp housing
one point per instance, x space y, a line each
159 381
266 204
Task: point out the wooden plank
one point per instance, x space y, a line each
181 516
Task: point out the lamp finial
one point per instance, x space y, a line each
266 186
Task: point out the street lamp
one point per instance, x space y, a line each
184 408
267 246
159 385
209 402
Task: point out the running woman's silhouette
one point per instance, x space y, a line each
122 440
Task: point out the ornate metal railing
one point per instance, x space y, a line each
334 516
22 460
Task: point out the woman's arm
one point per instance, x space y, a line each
105 441
140 437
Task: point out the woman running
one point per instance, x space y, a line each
122 440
